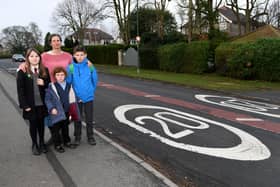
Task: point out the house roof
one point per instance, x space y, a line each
230 15
266 31
98 34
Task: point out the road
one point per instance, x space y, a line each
206 137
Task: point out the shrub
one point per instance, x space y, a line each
222 55
148 57
184 58
101 54
258 60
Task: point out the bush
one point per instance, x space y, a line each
223 53
104 54
5 55
171 57
148 57
258 60
101 54
184 58
173 37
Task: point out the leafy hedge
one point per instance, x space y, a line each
222 55
184 58
259 60
148 57
101 54
5 55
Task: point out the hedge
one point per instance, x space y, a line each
259 60
101 54
148 57
223 53
184 58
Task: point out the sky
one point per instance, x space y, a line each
22 12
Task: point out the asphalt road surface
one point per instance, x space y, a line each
207 137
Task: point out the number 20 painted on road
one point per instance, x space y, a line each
249 149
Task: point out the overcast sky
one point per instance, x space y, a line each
22 12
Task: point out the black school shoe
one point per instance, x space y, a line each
91 141
35 150
69 145
77 142
59 149
43 148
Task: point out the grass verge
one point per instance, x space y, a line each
206 81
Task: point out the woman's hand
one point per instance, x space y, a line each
89 63
23 67
54 111
27 109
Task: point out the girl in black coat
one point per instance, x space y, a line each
31 87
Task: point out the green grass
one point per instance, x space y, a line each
206 81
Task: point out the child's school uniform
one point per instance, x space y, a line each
84 81
57 96
31 95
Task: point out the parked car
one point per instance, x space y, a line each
18 58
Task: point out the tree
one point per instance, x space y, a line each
160 6
235 8
148 21
69 42
76 15
186 10
19 38
254 10
37 33
273 16
122 11
47 45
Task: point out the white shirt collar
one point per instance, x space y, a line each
33 67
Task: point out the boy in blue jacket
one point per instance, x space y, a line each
84 81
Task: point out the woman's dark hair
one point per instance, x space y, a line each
59 69
79 48
42 68
53 35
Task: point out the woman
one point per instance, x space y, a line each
31 86
55 57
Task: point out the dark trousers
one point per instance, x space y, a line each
60 131
87 109
37 128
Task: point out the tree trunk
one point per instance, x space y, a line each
190 26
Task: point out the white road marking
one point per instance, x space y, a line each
250 148
241 104
152 96
248 119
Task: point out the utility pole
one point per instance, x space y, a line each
137 37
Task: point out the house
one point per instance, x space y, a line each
93 36
227 22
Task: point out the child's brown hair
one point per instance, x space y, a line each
41 66
59 69
79 48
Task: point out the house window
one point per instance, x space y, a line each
222 24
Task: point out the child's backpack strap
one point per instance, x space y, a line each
71 68
54 89
91 68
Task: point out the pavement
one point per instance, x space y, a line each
105 165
